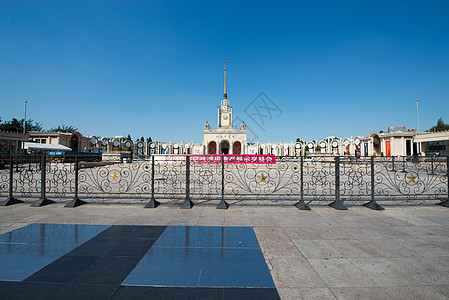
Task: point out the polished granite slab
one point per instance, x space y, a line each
28 249
65 261
203 256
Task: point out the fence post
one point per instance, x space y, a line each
446 202
337 204
187 202
301 204
373 204
76 201
42 200
10 200
223 204
153 203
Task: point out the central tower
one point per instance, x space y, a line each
225 139
225 110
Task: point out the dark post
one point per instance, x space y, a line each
153 203
431 161
76 201
392 162
446 202
223 204
187 202
403 165
10 200
301 204
373 204
43 200
337 204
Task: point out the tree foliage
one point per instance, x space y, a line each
63 128
16 125
441 126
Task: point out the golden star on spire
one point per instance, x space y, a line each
411 178
262 178
114 177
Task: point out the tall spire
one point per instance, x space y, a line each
225 94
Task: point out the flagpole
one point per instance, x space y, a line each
25 119
417 115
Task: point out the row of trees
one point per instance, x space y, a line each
16 125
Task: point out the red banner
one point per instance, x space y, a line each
233 159
387 148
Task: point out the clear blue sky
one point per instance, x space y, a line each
150 68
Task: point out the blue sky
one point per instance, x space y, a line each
148 68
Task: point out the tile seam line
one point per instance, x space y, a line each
204 257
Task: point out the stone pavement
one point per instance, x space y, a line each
399 253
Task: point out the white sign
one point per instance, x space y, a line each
197 149
252 150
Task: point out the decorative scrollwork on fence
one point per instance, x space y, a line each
115 180
421 179
280 180
319 177
27 176
205 179
170 176
60 179
355 177
4 182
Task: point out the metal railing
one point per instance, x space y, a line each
225 178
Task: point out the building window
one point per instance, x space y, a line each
37 140
43 141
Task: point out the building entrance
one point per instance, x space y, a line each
224 148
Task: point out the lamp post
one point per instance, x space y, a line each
24 126
25 118
417 115
417 128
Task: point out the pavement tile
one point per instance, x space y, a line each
293 272
384 272
357 293
414 293
353 249
340 273
316 249
429 271
306 294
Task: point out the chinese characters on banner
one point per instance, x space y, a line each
233 159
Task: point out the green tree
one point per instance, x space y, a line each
16 125
63 128
441 126
298 140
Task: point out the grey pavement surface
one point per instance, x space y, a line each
399 253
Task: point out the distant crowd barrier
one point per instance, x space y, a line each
225 178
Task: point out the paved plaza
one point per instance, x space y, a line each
399 253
